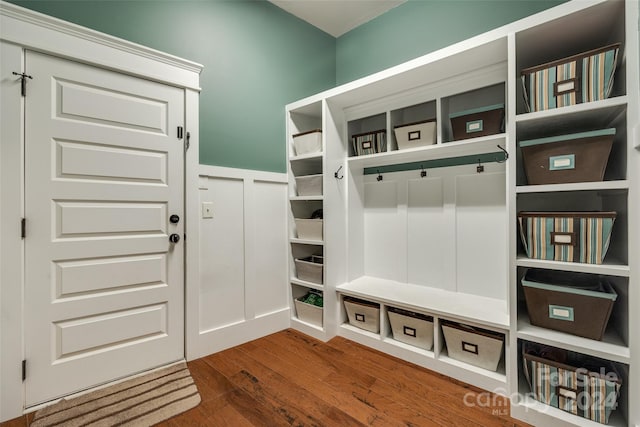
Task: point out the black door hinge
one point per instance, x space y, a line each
24 370
23 228
180 132
23 81
188 142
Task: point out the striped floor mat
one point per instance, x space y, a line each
141 401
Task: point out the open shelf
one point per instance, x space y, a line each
611 267
307 242
473 146
498 375
454 305
297 281
585 114
408 347
612 346
305 198
312 156
621 184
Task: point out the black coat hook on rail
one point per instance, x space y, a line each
423 172
335 174
506 155
379 177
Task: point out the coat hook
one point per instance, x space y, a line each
423 172
506 155
379 177
335 174
480 167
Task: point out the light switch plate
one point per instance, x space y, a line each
207 209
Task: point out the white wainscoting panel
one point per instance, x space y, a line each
269 290
242 259
222 253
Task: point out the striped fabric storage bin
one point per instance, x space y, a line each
566 236
583 386
579 78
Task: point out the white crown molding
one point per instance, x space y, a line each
45 33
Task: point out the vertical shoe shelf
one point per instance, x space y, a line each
306 225
432 229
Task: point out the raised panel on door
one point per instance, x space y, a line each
104 171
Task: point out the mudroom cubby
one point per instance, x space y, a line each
306 312
548 355
616 258
433 228
601 115
376 125
590 28
615 342
411 117
485 99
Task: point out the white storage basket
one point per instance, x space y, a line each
308 142
309 185
310 269
474 346
309 229
363 314
414 135
308 313
411 328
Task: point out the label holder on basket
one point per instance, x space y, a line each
469 348
409 331
563 238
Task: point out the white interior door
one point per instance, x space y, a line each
104 172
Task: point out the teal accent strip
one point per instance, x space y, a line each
560 312
611 294
475 110
567 161
552 80
546 238
438 163
475 126
559 138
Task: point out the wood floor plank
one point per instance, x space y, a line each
289 378
283 395
375 392
343 398
211 384
423 384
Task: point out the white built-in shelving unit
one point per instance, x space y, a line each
446 244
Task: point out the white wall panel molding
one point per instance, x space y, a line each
240 270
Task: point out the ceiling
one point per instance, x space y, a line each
337 17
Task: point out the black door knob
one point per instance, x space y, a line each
174 219
174 238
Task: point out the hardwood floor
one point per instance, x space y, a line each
289 379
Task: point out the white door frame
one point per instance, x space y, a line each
21 29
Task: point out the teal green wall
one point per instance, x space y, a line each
257 58
422 26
